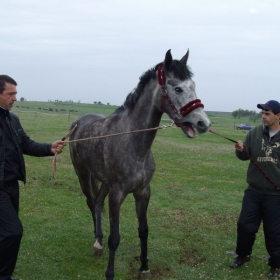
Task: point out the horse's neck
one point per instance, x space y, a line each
143 116
145 113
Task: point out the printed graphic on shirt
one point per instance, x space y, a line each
268 151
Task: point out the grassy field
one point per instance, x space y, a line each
196 198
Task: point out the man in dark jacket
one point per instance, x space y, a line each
14 142
261 201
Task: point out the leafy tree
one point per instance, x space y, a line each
235 113
22 99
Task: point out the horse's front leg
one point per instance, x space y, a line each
141 201
115 201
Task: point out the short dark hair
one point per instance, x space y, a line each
6 79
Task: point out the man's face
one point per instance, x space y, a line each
270 119
8 96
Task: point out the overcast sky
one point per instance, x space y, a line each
91 50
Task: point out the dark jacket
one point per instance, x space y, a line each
23 143
266 153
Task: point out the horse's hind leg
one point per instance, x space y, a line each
95 202
141 201
99 204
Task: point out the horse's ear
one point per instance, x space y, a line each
168 60
184 59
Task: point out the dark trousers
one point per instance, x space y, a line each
10 229
257 208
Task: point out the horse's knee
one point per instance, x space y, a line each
113 242
143 232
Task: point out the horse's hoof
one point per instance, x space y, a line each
97 252
145 274
97 249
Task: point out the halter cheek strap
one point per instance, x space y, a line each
186 109
161 76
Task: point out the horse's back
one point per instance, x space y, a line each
85 120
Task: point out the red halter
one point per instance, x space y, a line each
185 110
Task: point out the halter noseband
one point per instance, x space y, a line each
186 109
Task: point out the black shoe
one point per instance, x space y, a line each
239 261
274 273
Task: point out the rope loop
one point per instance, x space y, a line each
166 126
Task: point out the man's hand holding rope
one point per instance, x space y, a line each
239 146
57 146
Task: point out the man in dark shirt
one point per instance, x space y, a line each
261 200
14 142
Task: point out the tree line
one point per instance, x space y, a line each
253 115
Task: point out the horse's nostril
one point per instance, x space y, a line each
202 126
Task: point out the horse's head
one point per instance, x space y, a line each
179 98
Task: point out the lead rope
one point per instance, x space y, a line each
251 159
103 136
121 133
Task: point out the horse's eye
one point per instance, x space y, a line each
177 89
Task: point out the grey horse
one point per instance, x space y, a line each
123 164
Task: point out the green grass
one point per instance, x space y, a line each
196 198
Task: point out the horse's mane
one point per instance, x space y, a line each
180 71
